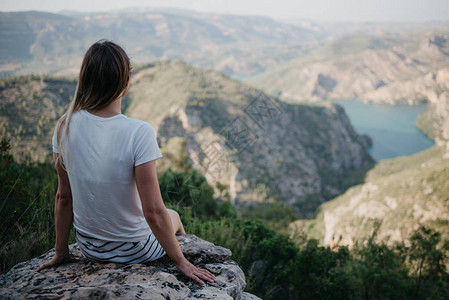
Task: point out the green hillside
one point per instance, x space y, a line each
29 109
293 155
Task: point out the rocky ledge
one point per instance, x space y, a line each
160 279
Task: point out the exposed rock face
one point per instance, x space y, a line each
427 88
435 122
263 149
324 85
438 115
315 141
158 280
397 70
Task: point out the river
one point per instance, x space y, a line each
392 127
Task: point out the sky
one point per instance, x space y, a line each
318 10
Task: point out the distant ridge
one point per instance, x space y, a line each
396 68
49 43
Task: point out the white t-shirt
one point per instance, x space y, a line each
100 165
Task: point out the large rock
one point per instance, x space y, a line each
158 280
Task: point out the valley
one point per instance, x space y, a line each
304 154
316 151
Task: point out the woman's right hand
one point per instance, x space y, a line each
189 270
56 260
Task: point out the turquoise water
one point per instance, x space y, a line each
392 127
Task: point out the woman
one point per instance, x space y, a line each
106 165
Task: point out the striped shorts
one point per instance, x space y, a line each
120 252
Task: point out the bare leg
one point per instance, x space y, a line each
176 221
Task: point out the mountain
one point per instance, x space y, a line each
261 148
296 60
398 194
382 68
38 42
258 148
340 29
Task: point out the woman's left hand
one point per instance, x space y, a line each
57 260
190 271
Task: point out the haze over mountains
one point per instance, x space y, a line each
38 42
54 43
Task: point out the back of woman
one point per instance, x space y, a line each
107 181
100 166
107 210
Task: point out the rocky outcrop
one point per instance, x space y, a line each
324 85
427 88
160 279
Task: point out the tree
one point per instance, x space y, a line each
427 255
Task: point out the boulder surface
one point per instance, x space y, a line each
159 279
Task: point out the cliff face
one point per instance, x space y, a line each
426 88
158 280
435 122
263 149
386 69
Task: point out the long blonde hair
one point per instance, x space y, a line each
104 77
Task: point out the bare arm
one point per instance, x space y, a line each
63 217
159 221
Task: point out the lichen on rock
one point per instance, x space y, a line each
159 279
